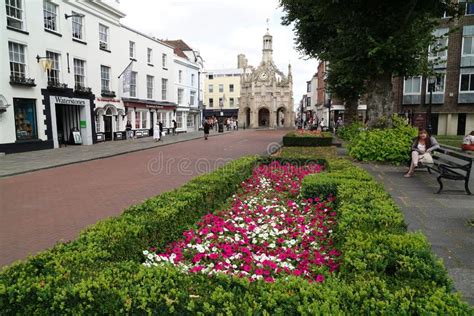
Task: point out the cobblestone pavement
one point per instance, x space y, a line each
446 219
36 160
43 207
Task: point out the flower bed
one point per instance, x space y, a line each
267 233
306 138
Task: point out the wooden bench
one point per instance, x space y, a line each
451 164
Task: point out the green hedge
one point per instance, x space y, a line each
306 141
373 239
384 271
384 144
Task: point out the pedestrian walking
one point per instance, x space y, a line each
128 128
156 132
175 126
206 129
161 128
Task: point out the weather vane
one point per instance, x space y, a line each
268 24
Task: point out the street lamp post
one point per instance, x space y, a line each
431 87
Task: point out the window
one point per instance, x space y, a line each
467 45
25 119
211 88
17 60
77 26
105 78
439 85
412 85
103 37
53 73
221 102
211 102
439 48
467 82
221 88
15 13
149 86
164 61
133 84
180 96
231 88
144 119
50 16
97 123
308 87
149 56
165 119
192 97
131 49
180 76
190 121
211 77
79 73
469 8
138 117
231 101
192 80
179 119
164 88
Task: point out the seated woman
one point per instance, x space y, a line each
422 145
468 142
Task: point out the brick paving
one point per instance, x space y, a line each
40 208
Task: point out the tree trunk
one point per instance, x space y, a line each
350 111
379 98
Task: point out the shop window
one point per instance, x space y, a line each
25 119
190 121
137 120
144 119
179 119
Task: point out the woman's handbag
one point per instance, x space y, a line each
426 158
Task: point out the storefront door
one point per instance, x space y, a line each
108 127
67 120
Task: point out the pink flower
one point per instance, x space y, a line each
320 278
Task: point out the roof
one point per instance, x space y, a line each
179 47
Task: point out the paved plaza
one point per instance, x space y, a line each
446 219
43 207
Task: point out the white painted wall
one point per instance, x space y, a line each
38 41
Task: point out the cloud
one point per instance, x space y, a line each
222 29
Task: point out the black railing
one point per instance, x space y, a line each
108 93
82 90
22 81
56 84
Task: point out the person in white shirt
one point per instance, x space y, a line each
468 142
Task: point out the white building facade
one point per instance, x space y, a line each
187 76
61 62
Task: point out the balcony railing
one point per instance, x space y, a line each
22 81
108 93
55 84
82 90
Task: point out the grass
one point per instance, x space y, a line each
450 140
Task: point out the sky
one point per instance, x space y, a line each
222 29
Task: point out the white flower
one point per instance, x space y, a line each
145 252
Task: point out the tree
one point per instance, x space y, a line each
367 42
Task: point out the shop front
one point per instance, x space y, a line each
144 114
110 119
69 117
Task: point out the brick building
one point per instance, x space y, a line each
453 95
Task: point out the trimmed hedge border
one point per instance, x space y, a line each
301 141
385 270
